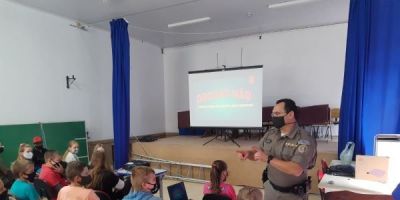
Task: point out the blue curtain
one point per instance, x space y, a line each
371 90
396 193
120 90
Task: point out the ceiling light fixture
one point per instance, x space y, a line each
193 21
289 3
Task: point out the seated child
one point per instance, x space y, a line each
103 177
78 174
71 154
143 181
217 185
24 152
23 188
52 171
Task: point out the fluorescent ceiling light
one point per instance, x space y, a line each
289 3
193 21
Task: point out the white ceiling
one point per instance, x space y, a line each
149 19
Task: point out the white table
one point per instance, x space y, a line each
332 183
160 173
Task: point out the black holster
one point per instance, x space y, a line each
298 189
264 177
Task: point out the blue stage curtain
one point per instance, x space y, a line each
396 193
120 90
371 90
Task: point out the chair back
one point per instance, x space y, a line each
44 189
314 115
335 115
324 166
184 119
215 197
320 174
266 113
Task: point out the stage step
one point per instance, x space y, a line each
196 173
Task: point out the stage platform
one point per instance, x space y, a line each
190 149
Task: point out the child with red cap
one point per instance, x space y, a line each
38 152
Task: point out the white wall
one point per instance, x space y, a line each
306 65
147 90
37 51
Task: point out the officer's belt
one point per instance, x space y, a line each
298 189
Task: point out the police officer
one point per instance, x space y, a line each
288 151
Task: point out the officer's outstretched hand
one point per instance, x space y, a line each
259 154
243 154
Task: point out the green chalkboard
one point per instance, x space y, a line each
55 136
13 135
59 134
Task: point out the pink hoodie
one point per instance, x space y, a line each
226 189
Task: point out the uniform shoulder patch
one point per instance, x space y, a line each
303 142
302 148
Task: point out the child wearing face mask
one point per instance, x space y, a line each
143 180
23 188
217 185
71 154
78 174
25 152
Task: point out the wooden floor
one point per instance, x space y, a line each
197 141
190 149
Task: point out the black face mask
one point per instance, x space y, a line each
40 147
155 189
31 176
278 122
85 180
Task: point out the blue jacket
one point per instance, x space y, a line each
140 196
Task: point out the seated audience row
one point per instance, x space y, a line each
74 180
